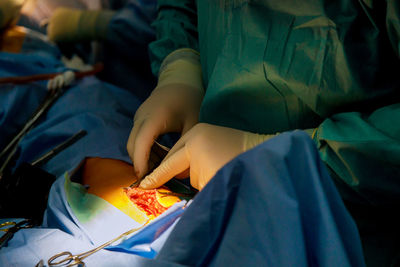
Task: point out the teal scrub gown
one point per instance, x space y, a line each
333 66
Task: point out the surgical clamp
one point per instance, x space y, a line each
67 257
11 148
10 231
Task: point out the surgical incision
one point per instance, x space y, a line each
152 202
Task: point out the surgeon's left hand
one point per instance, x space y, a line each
203 150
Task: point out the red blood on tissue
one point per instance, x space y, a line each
145 200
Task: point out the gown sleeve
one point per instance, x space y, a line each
362 149
176 27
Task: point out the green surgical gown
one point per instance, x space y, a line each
272 66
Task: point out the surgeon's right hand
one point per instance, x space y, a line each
173 106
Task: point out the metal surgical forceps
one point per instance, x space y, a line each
66 257
12 227
11 149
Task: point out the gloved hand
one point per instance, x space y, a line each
203 150
9 12
74 25
62 80
173 106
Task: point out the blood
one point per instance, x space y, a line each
145 200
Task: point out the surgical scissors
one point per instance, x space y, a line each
66 257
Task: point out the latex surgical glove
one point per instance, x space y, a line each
9 12
75 25
62 80
203 150
173 106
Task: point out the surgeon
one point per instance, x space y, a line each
248 71
72 25
9 12
122 27
233 74
121 36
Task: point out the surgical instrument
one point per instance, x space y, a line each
13 228
24 193
66 257
157 154
179 189
47 156
51 97
98 67
10 150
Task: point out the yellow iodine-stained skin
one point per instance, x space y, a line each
107 179
165 200
12 39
